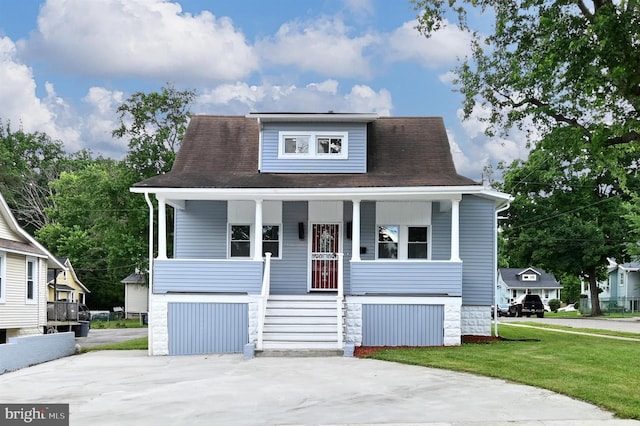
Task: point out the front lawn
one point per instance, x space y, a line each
600 371
127 345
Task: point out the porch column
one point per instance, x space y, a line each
162 229
355 232
257 232
455 231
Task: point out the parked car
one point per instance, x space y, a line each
527 305
503 310
569 308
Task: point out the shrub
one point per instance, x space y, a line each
554 304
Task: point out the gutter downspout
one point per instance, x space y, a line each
149 333
495 271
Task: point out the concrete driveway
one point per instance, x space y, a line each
131 388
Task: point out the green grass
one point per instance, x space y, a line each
129 323
604 372
127 345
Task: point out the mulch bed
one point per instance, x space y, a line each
363 351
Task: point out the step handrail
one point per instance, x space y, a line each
340 298
264 297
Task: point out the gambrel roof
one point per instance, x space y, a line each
223 152
511 277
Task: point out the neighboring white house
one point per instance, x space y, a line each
514 282
136 295
23 279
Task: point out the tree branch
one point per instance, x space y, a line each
585 10
631 136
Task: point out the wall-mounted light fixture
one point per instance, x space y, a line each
349 230
301 230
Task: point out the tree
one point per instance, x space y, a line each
155 124
28 161
559 63
565 215
100 225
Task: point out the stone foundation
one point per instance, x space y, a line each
476 320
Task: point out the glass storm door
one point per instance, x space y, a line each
324 259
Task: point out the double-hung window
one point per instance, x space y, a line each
316 145
403 242
31 281
240 240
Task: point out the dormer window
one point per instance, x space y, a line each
529 277
312 145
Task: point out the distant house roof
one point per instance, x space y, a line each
223 151
135 278
512 278
51 273
61 287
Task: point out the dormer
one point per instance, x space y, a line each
313 142
529 274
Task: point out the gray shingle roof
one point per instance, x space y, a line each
222 152
545 280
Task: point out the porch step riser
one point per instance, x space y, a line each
297 328
300 345
302 304
317 298
300 337
282 312
289 320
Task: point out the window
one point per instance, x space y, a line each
240 241
328 145
32 290
403 242
529 277
388 242
417 246
271 240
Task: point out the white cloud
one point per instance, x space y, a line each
442 49
100 120
145 38
20 105
323 46
241 98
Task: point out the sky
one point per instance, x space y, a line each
66 65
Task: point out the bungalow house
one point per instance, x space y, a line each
621 290
296 231
64 285
136 295
23 279
514 282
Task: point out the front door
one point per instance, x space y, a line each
325 239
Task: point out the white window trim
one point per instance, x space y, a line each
529 277
3 277
313 141
252 244
34 300
403 243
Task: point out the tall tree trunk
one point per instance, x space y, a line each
595 293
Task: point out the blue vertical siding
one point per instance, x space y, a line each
201 230
201 328
402 325
477 234
289 274
357 152
440 233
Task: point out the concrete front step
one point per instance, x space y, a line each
298 353
299 345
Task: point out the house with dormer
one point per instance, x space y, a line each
514 282
318 231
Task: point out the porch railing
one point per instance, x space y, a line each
340 298
264 297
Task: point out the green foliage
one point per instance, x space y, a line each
565 215
556 63
554 305
128 345
155 124
571 288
